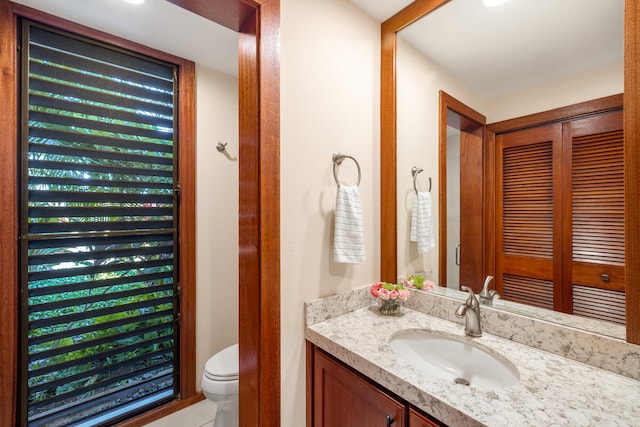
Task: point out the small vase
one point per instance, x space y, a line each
389 307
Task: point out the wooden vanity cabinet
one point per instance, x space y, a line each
339 396
416 419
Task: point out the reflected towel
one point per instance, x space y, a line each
421 223
348 240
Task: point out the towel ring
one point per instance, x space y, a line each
414 172
337 161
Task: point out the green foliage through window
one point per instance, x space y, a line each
99 231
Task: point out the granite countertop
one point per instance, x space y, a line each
552 391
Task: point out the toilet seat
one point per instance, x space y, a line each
220 384
223 366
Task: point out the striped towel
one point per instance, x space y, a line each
348 240
421 223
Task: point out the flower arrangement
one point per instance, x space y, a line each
390 296
417 281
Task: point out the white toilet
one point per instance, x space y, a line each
220 384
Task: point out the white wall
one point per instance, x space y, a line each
330 84
419 81
216 215
585 86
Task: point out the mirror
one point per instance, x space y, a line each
398 258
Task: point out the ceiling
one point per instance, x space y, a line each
518 45
476 44
155 23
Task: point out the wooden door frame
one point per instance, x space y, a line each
470 117
258 22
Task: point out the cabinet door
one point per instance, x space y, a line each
528 214
560 217
593 276
416 419
343 398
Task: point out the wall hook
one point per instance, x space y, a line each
221 147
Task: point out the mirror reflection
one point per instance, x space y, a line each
523 57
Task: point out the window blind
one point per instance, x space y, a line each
98 231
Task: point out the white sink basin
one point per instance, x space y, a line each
454 359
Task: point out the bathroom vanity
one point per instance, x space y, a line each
355 376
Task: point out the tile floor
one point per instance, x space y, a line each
201 414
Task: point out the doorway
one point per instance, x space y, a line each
461 206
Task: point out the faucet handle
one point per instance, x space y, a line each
485 288
471 299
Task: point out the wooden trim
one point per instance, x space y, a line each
473 119
558 226
443 106
187 232
388 157
566 289
228 13
9 221
259 83
388 134
453 104
632 166
489 233
310 363
570 112
412 13
82 30
162 411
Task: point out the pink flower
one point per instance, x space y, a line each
389 291
428 284
403 294
375 288
383 294
406 282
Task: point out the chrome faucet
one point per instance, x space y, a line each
487 296
470 310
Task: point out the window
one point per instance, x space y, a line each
99 231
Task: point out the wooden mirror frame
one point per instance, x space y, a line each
258 22
388 149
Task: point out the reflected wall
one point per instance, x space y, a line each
418 82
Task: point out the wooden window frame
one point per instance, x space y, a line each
113 57
258 22
187 232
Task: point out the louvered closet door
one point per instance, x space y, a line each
594 217
529 216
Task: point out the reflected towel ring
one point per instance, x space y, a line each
337 161
414 172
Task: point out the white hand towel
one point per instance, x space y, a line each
348 239
421 223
